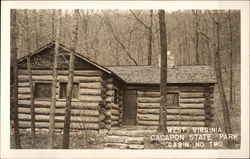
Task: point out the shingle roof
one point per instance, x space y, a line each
151 74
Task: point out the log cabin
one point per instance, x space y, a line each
112 97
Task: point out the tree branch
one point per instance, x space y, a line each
139 19
118 40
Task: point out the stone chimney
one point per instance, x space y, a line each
170 59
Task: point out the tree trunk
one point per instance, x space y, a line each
150 39
32 108
36 31
70 84
54 83
163 82
231 61
15 76
227 122
197 37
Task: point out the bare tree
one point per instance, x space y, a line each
197 35
15 77
163 82
119 41
32 107
66 129
217 61
150 34
231 60
54 83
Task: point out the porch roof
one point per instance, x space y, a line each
151 74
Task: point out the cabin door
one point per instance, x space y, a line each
130 107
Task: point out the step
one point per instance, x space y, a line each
114 139
134 140
132 133
136 146
116 145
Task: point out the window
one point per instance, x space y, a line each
115 96
63 90
172 99
42 90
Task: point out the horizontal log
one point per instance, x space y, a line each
27 117
171 117
107 126
191 95
46 111
110 86
108 113
23 84
108 121
192 100
191 105
62 72
112 105
102 117
114 123
110 99
110 92
173 111
101 125
115 112
172 123
59 78
88 98
25 124
109 80
148 105
60 104
114 118
23 90
148 100
192 89
94 85
84 91
102 110
148 94
24 96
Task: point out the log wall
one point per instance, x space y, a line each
195 107
114 110
88 111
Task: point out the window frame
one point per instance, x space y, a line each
34 89
64 99
178 103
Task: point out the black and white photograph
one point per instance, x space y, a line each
126 79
